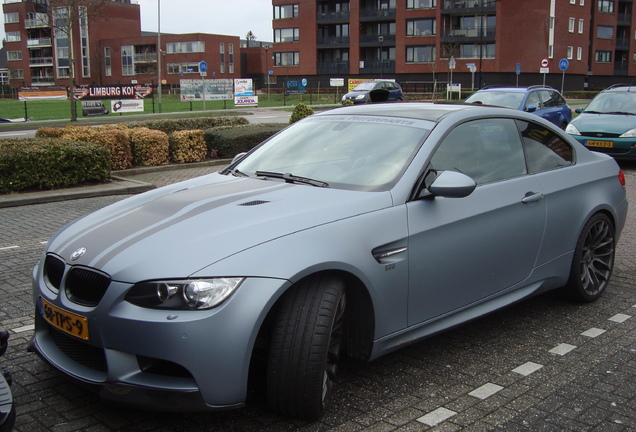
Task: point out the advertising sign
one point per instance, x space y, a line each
296 86
244 93
130 91
209 90
42 93
126 105
336 82
354 82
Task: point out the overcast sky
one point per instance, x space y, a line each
226 17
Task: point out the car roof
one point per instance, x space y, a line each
515 89
619 88
414 110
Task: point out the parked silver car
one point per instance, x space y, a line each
354 231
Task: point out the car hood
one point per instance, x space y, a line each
606 123
178 230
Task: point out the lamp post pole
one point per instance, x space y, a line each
381 40
159 51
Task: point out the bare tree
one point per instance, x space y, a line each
250 37
68 18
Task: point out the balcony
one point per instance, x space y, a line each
146 58
332 42
333 67
39 43
622 44
378 67
468 6
621 68
332 17
40 61
41 20
624 19
43 80
372 40
471 35
377 15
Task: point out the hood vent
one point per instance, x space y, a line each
253 203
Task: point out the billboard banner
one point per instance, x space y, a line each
296 86
244 93
126 105
42 93
210 90
129 91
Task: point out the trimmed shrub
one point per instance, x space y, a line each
47 163
171 125
149 146
187 146
49 132
348 103
227 142
300 112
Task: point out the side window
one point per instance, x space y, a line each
545 150
486 150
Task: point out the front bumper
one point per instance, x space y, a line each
619 148
7 407
159 359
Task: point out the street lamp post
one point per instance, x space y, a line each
159 51
381 40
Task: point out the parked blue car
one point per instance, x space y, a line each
542 101
375 91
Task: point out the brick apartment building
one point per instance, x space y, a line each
412 40
109 48
503 41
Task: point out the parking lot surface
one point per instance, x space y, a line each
544 364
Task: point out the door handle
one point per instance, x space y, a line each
532 197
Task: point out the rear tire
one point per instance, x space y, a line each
305 347
593 260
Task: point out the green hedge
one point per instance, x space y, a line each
227 142
46 163
187 146
171 125
149 147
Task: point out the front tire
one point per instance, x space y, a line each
305 347
593 260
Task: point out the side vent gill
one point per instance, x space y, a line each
253 203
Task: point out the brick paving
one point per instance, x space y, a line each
542 365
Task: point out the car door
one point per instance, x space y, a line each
465 250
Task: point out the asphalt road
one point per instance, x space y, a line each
542 365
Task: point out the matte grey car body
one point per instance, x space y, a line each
421 216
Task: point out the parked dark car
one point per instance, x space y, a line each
7 407
608 124
543 101
354 231
375 91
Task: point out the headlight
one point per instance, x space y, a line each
629 134
360 97
572 130
182 294
344 97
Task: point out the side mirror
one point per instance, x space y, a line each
578 110
450 184
531 108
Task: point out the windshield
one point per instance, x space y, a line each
613 103
368 85
496 98
348 152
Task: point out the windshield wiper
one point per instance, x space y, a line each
620 112
236 173
290 178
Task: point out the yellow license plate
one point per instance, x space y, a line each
594 143
68 322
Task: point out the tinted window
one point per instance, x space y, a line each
533 100
545 150
486 150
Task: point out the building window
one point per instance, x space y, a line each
421 4
185 47
287 58
423 27
571 24
582 3
14 55
182 68
550 51
579 53
572 1
83 22
222 58
581 25
420 54
13 36
473 51
108 70
570 52
12 17
606 6
603 56
16 74
286 11
127 60
286 35
230 52
605 32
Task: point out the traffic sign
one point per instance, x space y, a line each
203 66
452 63
564 64
545 63
518 70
